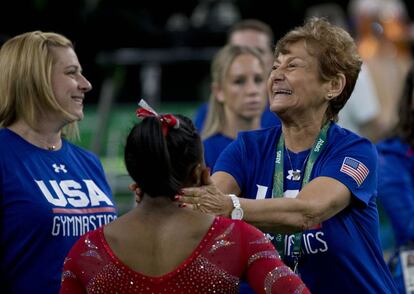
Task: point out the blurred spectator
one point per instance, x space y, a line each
237 99
381 31
252 33
362 111
396 177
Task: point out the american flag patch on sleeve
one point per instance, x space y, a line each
355 169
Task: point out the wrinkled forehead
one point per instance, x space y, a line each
311 47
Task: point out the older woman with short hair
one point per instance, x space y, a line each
309 183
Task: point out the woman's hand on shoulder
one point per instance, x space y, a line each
207 197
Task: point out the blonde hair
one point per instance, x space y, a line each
26 63
335 51
220 66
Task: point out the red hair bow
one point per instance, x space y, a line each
167 120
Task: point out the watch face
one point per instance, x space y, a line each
237 213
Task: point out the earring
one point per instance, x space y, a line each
330 95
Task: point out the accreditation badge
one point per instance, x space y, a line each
407 263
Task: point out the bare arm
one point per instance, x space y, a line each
319 200
226 183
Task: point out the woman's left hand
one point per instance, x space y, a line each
207 198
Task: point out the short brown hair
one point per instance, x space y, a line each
335 51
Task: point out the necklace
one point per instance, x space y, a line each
51 148
278 186
296 173
35 137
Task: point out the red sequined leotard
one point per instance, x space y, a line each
229 251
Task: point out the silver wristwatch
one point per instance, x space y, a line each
237 212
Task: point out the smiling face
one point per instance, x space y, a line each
294 85
243 89
68 84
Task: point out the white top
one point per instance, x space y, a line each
362 106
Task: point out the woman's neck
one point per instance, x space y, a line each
301 128
149 203
43 137
158 212
300 137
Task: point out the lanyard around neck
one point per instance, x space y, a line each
278 189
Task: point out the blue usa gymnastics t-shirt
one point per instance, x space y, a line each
342 254
268 119
48 199
213 146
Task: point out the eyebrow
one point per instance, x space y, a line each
72 66
288 59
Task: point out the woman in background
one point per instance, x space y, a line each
396 178
237 99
